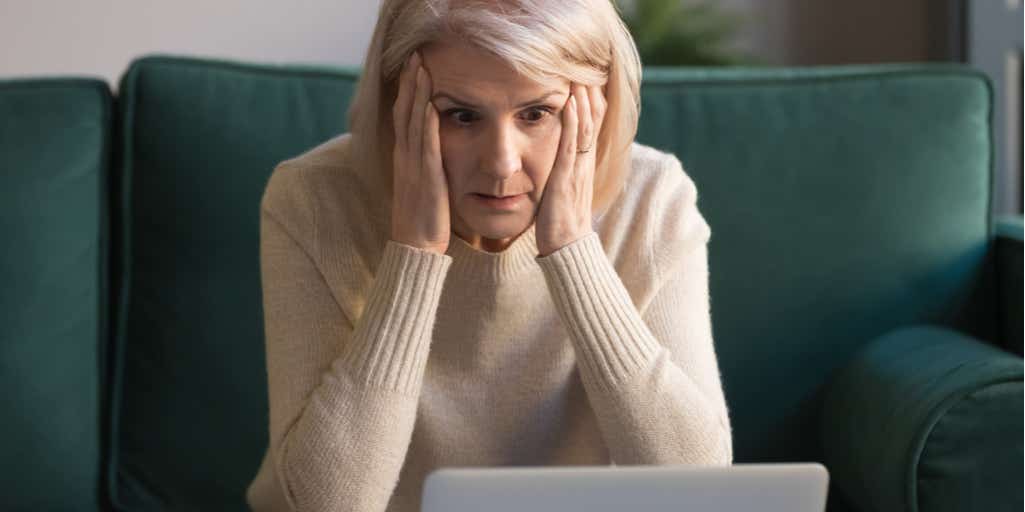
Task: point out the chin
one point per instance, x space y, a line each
498 226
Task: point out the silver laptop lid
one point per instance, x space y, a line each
783 487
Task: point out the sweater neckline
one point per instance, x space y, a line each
520 254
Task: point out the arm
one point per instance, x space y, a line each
925 418
343 397
653 381
1009 281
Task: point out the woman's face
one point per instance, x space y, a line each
499 136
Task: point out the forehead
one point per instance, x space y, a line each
469 73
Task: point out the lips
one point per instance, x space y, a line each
495 197
508 203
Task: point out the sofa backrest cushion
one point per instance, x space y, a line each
199 141
55 140
844 202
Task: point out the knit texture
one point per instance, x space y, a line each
385 361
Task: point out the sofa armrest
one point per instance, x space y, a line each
1008 241
926 419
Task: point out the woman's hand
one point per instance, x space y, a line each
564 214
420 201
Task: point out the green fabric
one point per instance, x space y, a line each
844 202
199 142
54 154
1010 262
1008 226
842 205
925 418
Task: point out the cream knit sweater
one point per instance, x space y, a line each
385 361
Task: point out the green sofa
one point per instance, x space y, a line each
867 306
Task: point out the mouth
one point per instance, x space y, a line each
503 202
489 196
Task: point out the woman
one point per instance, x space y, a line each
414 323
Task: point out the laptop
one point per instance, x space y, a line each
766 487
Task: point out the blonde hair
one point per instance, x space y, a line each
584 41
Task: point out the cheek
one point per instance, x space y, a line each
455 160
544 149
454 145
550 142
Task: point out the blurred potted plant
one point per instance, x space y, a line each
683 32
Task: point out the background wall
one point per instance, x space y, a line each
100 37
814 32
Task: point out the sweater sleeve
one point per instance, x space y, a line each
343 396
653 381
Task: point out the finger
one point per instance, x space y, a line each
416 122
567 142
432 142
404 99
584 141
598 108
586 123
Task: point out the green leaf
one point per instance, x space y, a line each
679 32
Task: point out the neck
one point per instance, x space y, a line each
482 243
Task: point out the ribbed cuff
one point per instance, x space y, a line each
611 340
392 338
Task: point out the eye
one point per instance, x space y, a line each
454 113
540 112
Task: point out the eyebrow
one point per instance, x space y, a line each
458 101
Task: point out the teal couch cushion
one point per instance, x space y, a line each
199 141
1008 231
55 139
901 425
844 202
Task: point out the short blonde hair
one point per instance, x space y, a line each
584 41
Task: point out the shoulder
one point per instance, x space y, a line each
653 177
656 172
287 191
676 225
319 188
334 212
655 219
658 193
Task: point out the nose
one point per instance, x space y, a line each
504 159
